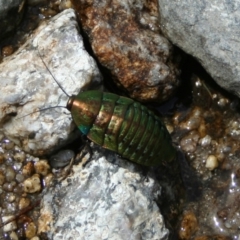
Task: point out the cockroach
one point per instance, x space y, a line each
120 124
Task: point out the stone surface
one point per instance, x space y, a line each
13 197
106 199
10 226
209 31
188 226
215 136
125 38
27 86
61 159
11 12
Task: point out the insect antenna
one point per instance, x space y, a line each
40 110
51 73
44 109
21 212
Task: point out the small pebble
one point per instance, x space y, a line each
28 169
47 180
7 50
32 184
13 236
170 128
193 121
19 177
205 141
11 207
47 13
6 156
220 156
10 197
10 174
10 226
42 167
9 187
202 129
18 189
23 203
223 102
8 144
61 159
65 4
20 156
235 125
211 162
188 226
17 166
30 230
189 142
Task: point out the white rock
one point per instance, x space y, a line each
205 141
26 85
10 226
211 162
107 199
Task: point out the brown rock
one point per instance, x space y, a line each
30 230
125 38
28 169
42 167
7 50
188 226
23 203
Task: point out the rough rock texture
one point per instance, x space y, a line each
209 31
210 129
22 178
11 12
27 86
107 199
125 38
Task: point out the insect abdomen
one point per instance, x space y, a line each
122 125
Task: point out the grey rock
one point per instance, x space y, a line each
106 199
27 86
61 159
209 31
11 12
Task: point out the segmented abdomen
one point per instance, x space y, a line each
124 126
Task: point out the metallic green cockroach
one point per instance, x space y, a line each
122 125
130 129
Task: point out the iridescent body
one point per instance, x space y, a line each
122 125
